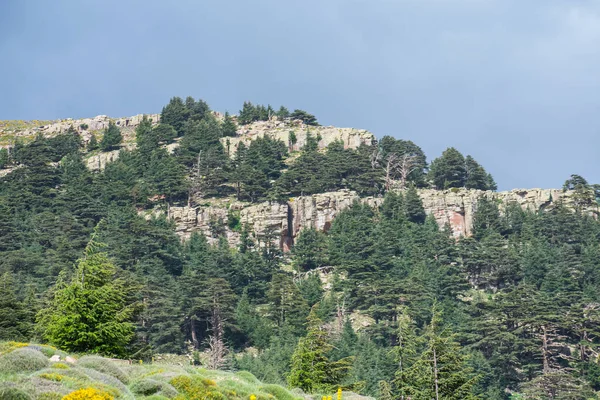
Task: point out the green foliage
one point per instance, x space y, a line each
177 113
305 117
93 312
23 360
93 144
228 126
15 320
453 170
310 250
112 138
312 371
13 393
104 366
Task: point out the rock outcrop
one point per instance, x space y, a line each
285 220
280 130
85 126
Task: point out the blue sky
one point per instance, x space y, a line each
514 83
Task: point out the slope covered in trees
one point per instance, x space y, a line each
407 311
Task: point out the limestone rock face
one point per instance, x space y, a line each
276 129
285 221
99 161
86 126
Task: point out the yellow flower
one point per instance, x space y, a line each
88 394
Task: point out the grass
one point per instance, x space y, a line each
27 374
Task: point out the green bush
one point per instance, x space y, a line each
103 365
279 392
12 393
49 396
146 387
23 360
247 377
105 379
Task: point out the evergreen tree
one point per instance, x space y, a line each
312 370
440 372
414 206
287 306
15 321
228 126
310 250
448 171
93 143
112 138
175 114
306 118
283 113
93 312
476 176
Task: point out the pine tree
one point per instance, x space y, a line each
440 372
476 176
405 353
112 138
310 250
15 321
93 312
93 143
312 370
175 114
448 171
287 306
228 127
413 206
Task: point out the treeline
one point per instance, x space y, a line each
512 309
202 165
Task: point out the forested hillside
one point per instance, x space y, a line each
384 302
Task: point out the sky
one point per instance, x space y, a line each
514 83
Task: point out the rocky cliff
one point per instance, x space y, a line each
286 220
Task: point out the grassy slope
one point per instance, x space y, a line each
26 368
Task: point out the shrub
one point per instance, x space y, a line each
103 365
12 393
23 360
146 387
196 388
106 379
52 377
49 396
88 394
279 392
60 366
247 377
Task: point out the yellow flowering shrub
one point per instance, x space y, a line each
88 394
52 377
60 366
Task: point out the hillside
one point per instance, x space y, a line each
29 371
313 257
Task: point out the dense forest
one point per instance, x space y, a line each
511 312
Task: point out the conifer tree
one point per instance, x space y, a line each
312 370
15 321
93 312
310 250
440 372
448 171
175 114
228 127
93 143
112 138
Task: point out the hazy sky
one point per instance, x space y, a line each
515 83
